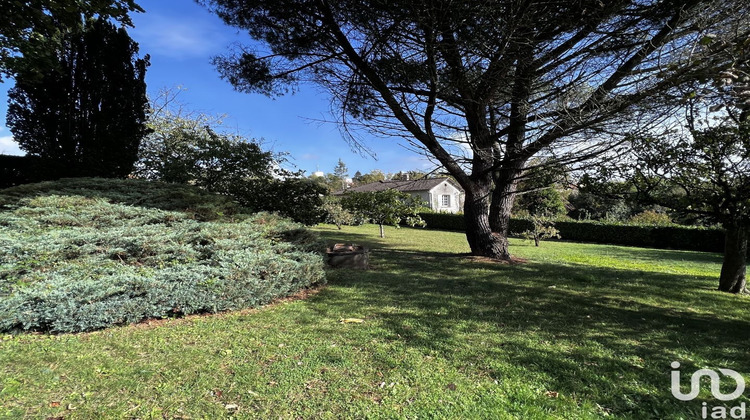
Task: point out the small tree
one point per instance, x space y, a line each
201 156
188 147
542 228
336 214
388 207
185 146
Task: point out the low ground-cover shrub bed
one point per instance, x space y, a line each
666 237
71 263
195 202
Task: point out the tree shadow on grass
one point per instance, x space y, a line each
606 336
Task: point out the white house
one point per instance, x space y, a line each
439 194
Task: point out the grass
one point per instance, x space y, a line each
578 332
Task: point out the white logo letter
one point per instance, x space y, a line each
737 391
715 384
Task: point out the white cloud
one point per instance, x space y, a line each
163 36
418 162
9 147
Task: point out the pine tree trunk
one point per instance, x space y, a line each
478 233
502 198
733 269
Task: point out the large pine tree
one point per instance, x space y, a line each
86 115
481 87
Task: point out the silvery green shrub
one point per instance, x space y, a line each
73 263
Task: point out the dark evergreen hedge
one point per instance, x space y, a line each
17 170
667 237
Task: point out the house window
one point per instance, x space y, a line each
445 200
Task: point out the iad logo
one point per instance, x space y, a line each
715 383
718 412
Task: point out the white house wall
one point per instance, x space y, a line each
422 195
435 200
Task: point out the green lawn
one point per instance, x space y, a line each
580 331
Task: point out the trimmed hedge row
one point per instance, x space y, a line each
666 237
71 263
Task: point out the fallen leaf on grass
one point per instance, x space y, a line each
54 404
552 394
351 320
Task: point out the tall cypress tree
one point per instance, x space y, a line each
86 115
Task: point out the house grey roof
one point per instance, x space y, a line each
405 186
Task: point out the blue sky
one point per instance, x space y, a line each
181 37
